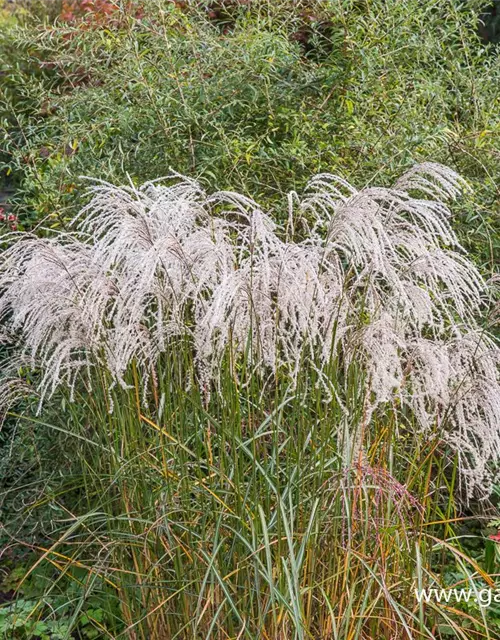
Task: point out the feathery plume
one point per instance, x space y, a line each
376 276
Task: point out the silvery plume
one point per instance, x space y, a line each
374 277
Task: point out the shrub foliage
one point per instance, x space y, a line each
253 97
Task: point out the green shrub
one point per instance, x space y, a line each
254 99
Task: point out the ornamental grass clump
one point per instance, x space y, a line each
374 277
258 404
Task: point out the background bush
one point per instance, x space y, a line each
253 97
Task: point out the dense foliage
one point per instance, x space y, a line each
254 98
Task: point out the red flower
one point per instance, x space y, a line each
13 227
12 218
495 537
